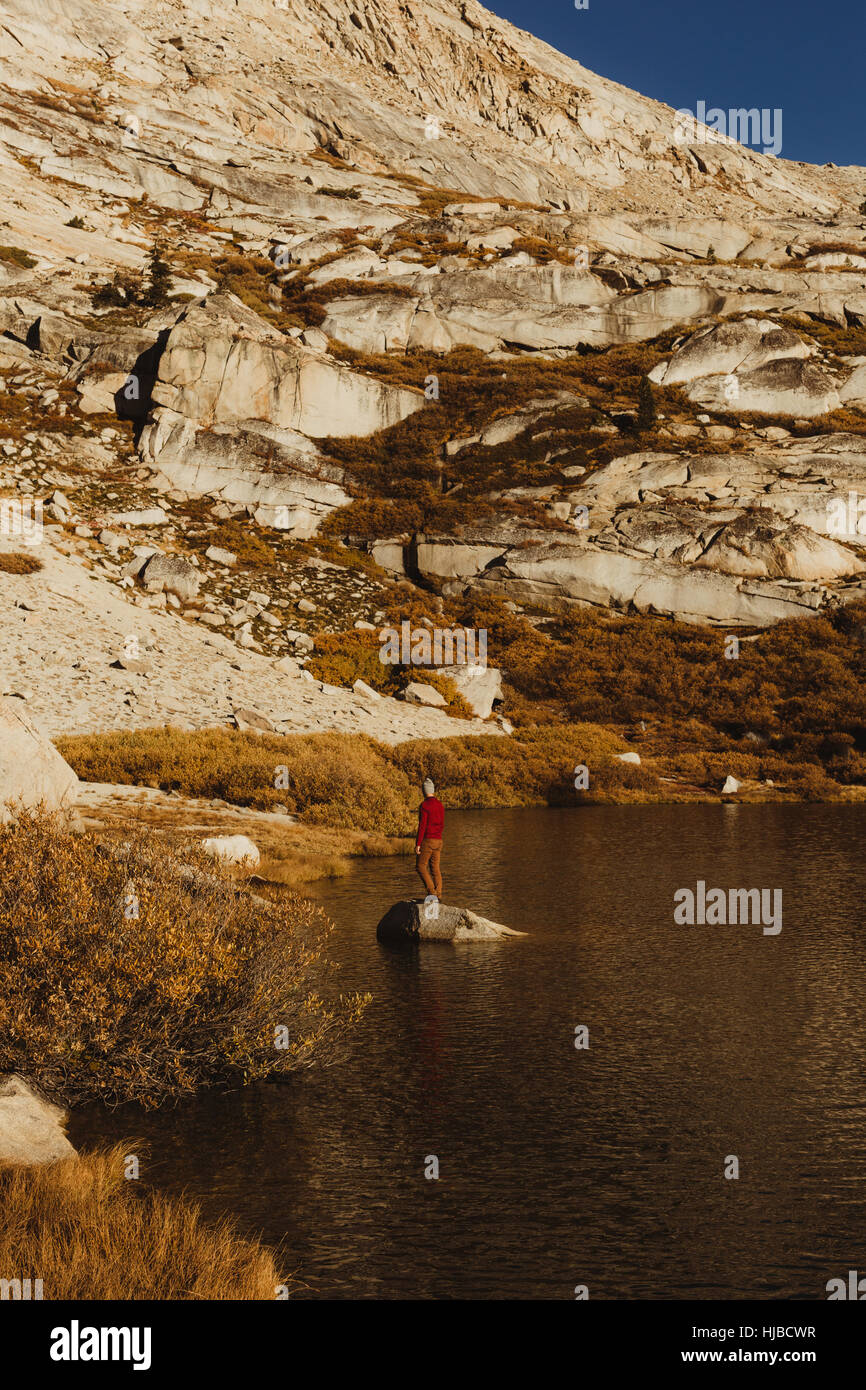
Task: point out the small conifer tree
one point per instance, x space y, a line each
159 278
646 407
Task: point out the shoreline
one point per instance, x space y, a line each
325 831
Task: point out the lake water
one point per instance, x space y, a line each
557 1166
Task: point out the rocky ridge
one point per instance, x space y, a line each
343 193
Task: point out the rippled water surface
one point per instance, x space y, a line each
561 1167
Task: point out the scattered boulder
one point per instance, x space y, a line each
137 664
220 556
315 338
149 516
288 666
32 772
419 693
172 574
233 849
731 786
97 395
140 557
480 686
58 505
251 719
429 920
31 1128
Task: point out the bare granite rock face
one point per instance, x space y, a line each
432 921
536 307
531 124
726 348
235 403
223 364
723 539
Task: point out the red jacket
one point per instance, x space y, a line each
431 819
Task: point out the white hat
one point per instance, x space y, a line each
427 786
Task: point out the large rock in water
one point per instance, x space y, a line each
31 1128
420 921
31 769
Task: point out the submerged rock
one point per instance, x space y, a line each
427 920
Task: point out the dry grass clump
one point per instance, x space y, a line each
248 277
799 688
16 414
292 853
256 281
403 472
542 250
432 200
19 562
849 340
89 1233
304 306
430 242
140 971
316 852
790 780
803 676
456 706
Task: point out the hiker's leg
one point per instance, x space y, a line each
421 862
436 871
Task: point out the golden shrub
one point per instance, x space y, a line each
141 971
341 658
19 562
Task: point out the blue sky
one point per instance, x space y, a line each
807 57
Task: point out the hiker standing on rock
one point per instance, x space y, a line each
428 841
